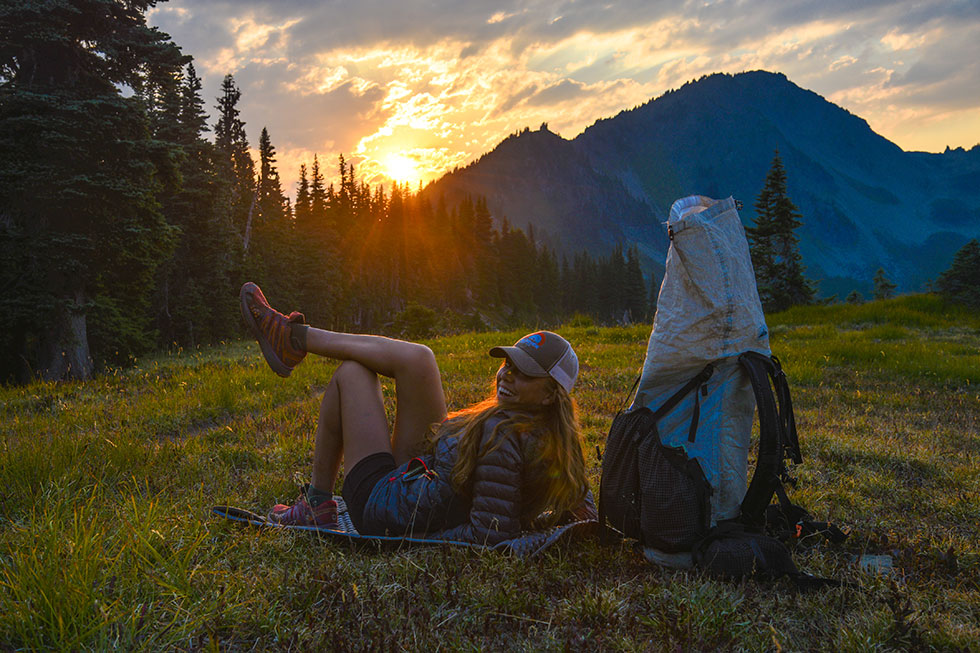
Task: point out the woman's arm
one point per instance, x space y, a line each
585 510
496 506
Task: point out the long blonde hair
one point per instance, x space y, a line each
562 485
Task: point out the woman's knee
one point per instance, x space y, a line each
352 371
420 359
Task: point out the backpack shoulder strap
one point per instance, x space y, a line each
769 462
778 440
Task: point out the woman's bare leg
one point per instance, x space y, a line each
355 401
352 423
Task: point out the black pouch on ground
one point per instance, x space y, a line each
732 552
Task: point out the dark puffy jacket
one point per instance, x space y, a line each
418 498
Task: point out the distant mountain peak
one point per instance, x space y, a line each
865 202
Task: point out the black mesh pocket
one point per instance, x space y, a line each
675 497
620 497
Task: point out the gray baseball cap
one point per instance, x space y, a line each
541 354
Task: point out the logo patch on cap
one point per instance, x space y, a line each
533 340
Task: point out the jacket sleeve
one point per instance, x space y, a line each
585 510
496 505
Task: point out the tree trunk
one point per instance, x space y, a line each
64 350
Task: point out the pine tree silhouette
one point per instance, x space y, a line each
774 245
961 282
884 288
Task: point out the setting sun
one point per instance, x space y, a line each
401 168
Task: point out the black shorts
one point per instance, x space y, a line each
361 479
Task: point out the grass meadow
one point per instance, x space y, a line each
106 540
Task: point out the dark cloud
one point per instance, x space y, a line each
200 32
947 74
913 15
719 27
328 25
515 99
305 119
325 26
561 92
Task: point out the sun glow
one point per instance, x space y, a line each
401 168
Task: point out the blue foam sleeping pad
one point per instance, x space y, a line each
526 545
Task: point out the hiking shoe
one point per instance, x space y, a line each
301 513
271 329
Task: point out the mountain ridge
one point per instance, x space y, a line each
866 203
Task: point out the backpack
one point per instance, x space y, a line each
676 463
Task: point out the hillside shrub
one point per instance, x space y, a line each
580 320
417 322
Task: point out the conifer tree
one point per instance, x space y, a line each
272 253
547 286
612 289
429 254
652 298
585 282
449 257
271 201
346 186
567 288
483 260
884 288
635 289
315 277
235 159
302 209
760 237
79 171
318 193
194 301
193 118
472 255
775 247
961 282
394 244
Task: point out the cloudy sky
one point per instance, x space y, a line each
409 89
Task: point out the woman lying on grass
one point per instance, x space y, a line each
511 463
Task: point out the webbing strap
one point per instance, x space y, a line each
696 417
629 394
605 537
791 441
800 520
676 398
